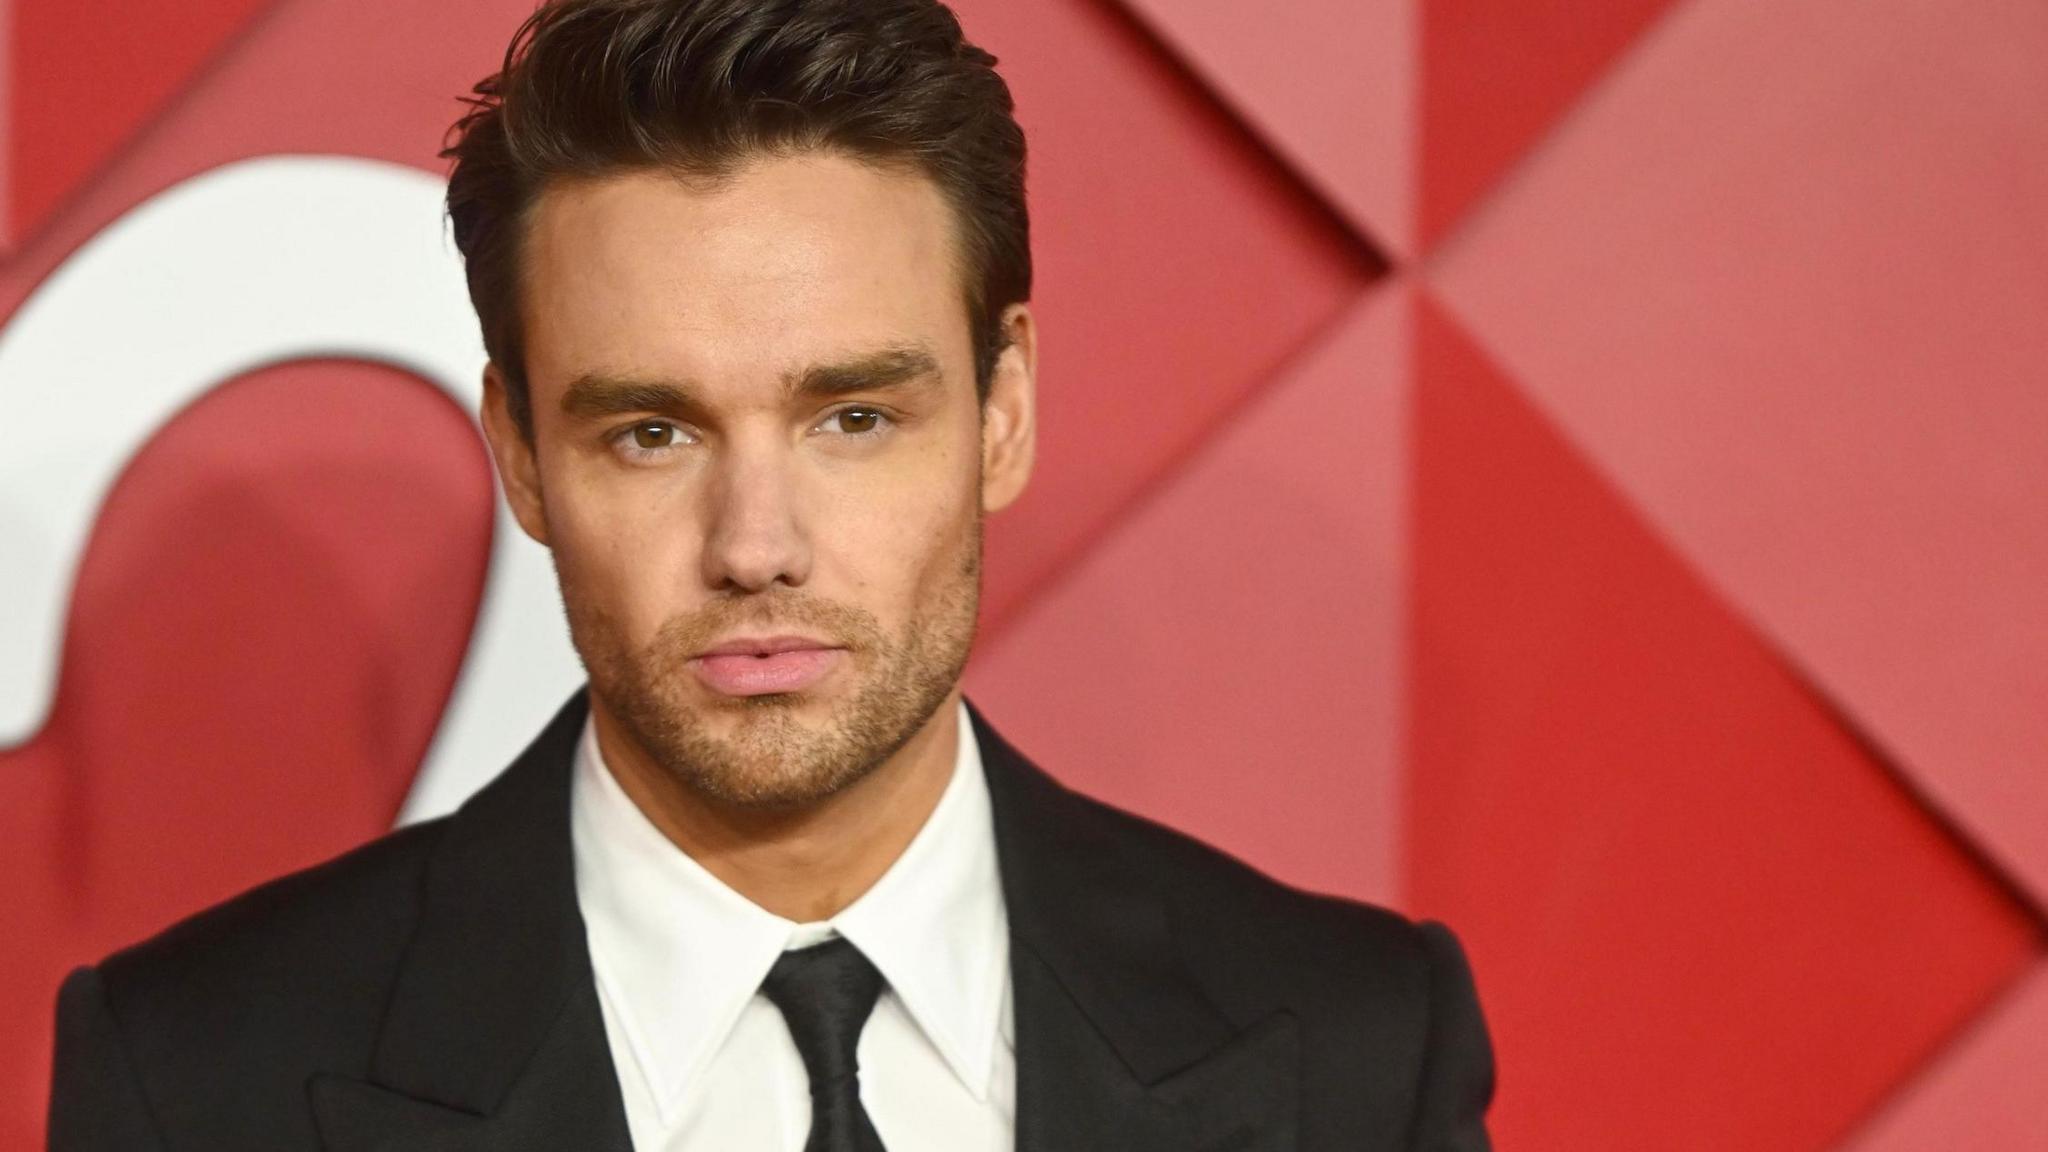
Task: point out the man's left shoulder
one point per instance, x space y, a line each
1254 927
1383 1008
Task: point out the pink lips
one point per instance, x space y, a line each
755 667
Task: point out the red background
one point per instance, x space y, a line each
1578 470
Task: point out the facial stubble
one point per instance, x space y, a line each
772 758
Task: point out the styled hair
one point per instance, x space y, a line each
592 88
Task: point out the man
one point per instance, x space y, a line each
753 275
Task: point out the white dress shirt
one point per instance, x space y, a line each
706 1063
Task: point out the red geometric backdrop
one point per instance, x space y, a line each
1578 470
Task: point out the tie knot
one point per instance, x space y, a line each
825 992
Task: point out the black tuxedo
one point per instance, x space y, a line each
433 990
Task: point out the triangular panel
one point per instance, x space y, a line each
1495 75
1983 1092
1179 266
1331 86
1782 278
1227 658
1703 914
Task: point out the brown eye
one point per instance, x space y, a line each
653 435
859 421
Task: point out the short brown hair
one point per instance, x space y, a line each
595 87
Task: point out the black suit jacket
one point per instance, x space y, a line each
433 990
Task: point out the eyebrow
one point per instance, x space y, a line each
594 395
893 366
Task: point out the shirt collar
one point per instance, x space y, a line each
680 954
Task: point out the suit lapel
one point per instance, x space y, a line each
1117 1045
565 1097
494 1038
1075 1094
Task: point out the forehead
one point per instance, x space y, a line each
786 260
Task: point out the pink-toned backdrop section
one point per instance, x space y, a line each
1229 660
1331 87
1663 849
286 84
71 101
1983 1092
1495 77
9 231
1782 277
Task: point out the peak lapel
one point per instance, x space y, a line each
1118 1047
494 1038
1075 1094
565 1098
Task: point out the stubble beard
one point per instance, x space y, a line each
771 758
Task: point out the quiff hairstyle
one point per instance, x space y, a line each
593 88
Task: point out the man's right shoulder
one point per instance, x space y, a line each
320 944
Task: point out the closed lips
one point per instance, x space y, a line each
765 646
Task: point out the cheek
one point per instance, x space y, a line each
621 556
907 548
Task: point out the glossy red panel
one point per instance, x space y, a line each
1782 279
1704 915
1495 75
1179 266
1329 84
1982 1092
1227 658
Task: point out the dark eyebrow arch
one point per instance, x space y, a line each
889 367
595 395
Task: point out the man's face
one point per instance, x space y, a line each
756 426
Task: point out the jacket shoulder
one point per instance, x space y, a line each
291 969
1259 930
1268 926
1390 1025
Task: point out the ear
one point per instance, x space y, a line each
512 451
1009 417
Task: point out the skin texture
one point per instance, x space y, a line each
700 476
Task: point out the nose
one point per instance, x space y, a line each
755 533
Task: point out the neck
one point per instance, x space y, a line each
804 863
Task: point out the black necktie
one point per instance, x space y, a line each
826 992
